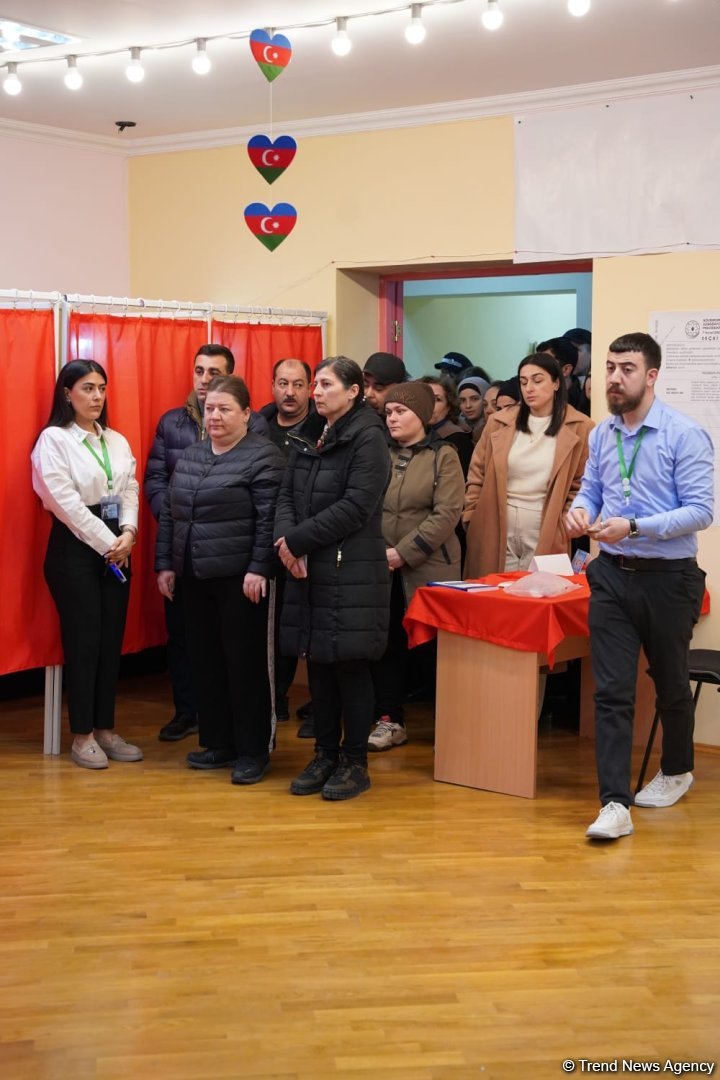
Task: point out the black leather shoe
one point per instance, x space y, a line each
211 759
182 724
250 770
307 729
282 708
315 774
349 780
305 711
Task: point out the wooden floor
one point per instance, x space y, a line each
160 923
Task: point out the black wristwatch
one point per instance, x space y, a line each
634 531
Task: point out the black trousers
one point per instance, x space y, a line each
389 673
342 696
92 605
656 610
177 654
227 642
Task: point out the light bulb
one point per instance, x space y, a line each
415 31
492 17
578 7
135 71
341 43
11 83
73 79
201 61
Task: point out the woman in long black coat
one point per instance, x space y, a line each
328 530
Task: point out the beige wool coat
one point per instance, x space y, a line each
422 506
485 510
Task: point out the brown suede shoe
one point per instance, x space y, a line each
90 756
117 749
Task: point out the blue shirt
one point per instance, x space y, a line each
671 488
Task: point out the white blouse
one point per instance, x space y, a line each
68 479
530 463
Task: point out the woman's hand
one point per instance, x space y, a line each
166 584
255 587
299 567
284 553
120 551
394 560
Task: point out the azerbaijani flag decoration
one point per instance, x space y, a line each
271 159
272 54
270 227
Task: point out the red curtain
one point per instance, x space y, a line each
257 348
149 367
29 632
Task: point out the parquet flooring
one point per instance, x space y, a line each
159 923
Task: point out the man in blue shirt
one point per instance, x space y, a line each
646 493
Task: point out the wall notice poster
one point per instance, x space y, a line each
690 374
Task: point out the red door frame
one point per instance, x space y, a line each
391 290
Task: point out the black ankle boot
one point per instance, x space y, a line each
316 772
349 780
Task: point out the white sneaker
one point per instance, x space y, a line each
613 821
664 790
386 734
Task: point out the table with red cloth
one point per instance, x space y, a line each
491 646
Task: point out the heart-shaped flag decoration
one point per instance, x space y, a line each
272 54
270 226
271 159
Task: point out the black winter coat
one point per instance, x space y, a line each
177 429
223 507
330 509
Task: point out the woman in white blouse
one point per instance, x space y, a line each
524 473
85 475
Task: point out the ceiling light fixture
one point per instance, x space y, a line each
135 71
578 7
341 43
73 79
492 17
201 61
11 83
415 32
10 31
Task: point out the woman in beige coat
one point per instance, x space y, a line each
422 506
524 474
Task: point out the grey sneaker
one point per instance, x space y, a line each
386 734
612 822
90 756
664 790
117 749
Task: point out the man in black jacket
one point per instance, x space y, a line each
177 429
291 412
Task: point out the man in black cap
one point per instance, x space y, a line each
582 340
382 372
566 354
455 364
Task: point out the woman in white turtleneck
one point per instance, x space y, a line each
524 473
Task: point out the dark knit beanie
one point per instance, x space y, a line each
416 396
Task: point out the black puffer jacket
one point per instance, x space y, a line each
330 509
177 429
223 506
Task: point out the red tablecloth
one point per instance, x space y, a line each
531 624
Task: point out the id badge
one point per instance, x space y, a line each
110 506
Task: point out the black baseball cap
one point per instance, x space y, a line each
453 362
578 336
386 368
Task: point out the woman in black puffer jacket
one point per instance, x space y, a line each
329 537
215 532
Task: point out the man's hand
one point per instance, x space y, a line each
611 530
166 584
394 560
254 587
577 522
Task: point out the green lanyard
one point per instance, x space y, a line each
625 472
104 462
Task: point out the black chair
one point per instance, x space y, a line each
704 667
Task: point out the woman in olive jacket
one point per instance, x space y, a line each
328 532
215 532
421 509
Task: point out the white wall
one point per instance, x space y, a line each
64 218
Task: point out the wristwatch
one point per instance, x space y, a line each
634 531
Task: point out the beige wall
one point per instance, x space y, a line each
443 192
625 292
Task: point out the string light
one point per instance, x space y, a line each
11 83
578 7
135 71
492 17
73 79
201 61
415 32
341 43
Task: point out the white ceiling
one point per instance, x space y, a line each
539 47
